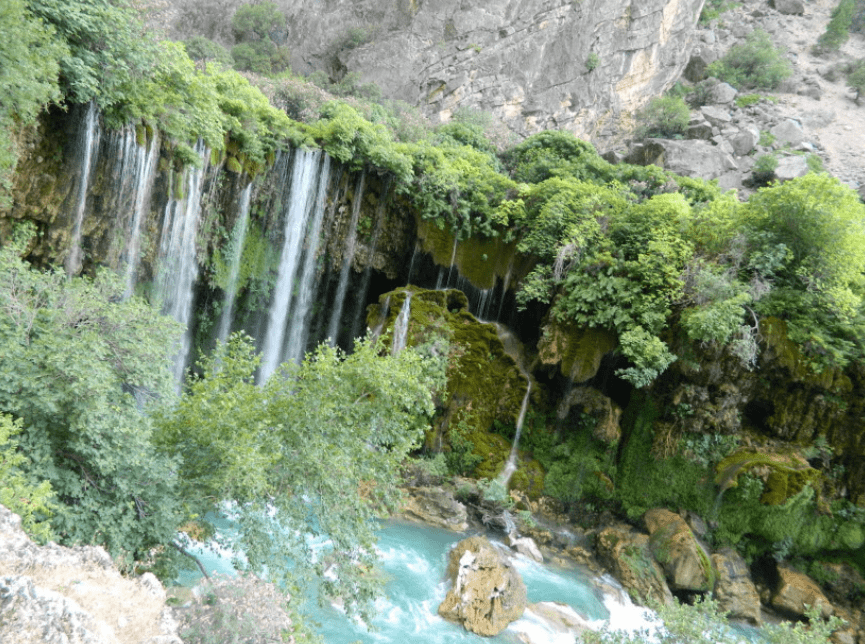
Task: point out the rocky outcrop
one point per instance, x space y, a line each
486 592
536 64
51 594
686 565
627 555
796 591
735 591
435 506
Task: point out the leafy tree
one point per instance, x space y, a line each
820 224
838 30
312 454
202 49
259 30
663 117
29 69
31 502
856 79
107 46
78 367
756 63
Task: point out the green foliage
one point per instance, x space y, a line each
764 168
856 78
29 70
259 30
592 62
202 49
663 117
579 468
705 623
819 284
214 104
713 9
746 100
318 448
460 457
33 503
79 367
756 63
838 30
107 46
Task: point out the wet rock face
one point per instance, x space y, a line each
734 589
685 563
627 555
535 64
435 506
796 591
486 591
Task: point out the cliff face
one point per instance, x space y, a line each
535 64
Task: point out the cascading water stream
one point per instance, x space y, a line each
298 207
237 241
347 259
178 267
358 327
86 146
400 329
411 264
144 171
385 309
453 260
511 465
298 332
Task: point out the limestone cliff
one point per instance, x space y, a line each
535 64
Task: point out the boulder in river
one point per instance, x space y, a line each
486 592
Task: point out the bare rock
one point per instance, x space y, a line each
788 132
701 130
685 563
526 546
717 116
486 592
723 94
695 70
734 589
553 622
53 594
435 506
745 141
789 7
627 555
690 158
791 167
796 591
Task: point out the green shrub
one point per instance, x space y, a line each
838 30
764 169
746 100
756 63
202 49
856 78
592 62
663 117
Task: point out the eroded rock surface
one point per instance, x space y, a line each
486 591
437 507
685 563
734 589
627 555
52 594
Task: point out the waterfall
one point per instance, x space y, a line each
86 146
298 207
411 263
453 259
135 174
400 329
178 267
298 332
358 326
238 239
511 465
382 318
505 287
348 257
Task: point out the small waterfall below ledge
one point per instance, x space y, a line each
238 239
358 327
86 147
400 329
178 266
511 465
347 259
303 196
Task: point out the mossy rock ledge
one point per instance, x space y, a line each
485 383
